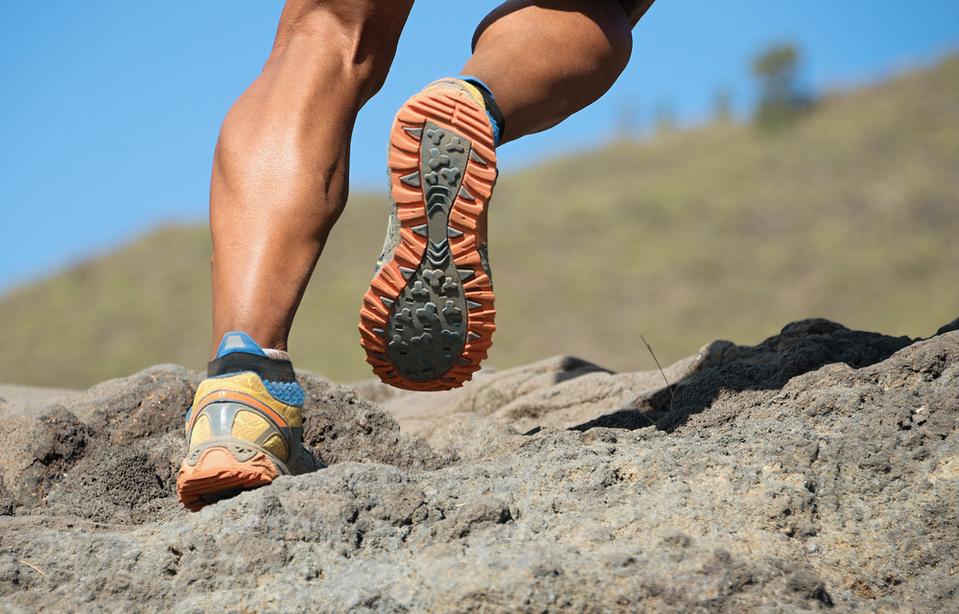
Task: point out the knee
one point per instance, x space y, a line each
363 33
597 32
615 24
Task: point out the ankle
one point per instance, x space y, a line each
238 353
496 118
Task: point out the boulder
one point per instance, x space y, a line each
816 471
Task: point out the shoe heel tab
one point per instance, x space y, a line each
238 342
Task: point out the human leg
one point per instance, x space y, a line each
427 319
280 172
279 183
544 60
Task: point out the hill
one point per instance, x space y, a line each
723 231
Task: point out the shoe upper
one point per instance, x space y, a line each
250 397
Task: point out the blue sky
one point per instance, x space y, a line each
109 111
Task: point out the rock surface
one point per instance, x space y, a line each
816 471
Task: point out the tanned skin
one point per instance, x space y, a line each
281 166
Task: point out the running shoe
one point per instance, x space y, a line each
427 318
245 426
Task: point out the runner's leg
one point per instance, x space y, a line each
428 317
280 170
543 60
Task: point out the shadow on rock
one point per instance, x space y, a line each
723 371
341 426
112 453
815 472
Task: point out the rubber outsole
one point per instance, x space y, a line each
428 318
213 479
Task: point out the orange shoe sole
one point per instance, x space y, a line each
427 319
218 475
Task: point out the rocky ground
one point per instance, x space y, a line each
817 471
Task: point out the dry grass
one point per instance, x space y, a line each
851 214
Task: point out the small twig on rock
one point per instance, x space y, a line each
35 568
170 511
632 405
661 372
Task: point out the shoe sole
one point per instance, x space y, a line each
213 473
428 319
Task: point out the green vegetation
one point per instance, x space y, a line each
850 212
781 100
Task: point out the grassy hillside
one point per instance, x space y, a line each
724 231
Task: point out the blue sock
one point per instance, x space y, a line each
277 375
492 109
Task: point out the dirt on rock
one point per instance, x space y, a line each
816 471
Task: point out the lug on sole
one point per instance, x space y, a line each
427 319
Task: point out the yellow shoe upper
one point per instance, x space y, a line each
240 407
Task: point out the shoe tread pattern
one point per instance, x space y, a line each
427 319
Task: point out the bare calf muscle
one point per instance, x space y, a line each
280 181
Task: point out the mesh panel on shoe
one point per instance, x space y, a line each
286 392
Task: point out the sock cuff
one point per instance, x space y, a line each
238 353
492 109
276 354
239 362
